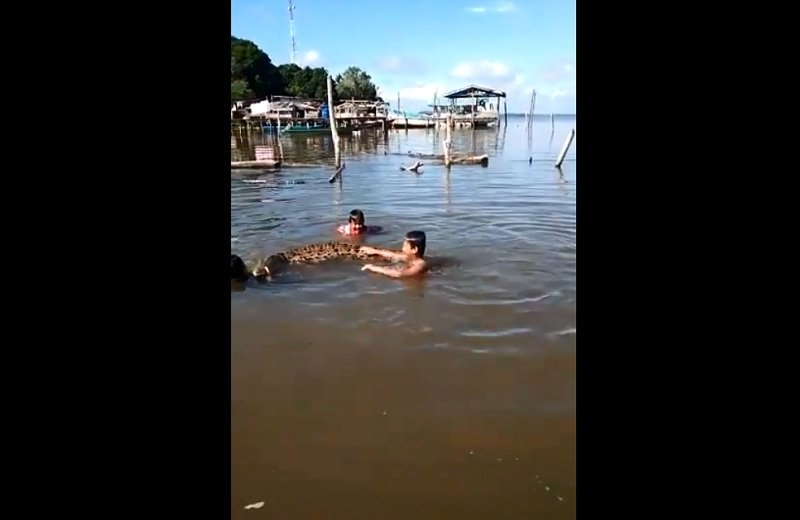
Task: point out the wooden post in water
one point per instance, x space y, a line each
278 136
435 109
332 120
533 107
552 124
447 141
474 108
565 148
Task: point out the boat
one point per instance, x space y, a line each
307 128
410 120
312 128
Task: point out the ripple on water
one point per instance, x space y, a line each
472 301
496 333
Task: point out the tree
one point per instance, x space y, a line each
355 83
253 75
252 72
307 82
240 90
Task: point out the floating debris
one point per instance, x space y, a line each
560 499
257 505
471 452
547 488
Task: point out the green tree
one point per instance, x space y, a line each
253 75
252 72
307 82
240 90
355 83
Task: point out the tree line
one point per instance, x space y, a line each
254 76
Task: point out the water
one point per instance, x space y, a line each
357 396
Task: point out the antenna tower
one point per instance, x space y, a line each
291 31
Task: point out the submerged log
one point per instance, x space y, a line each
421 155
483 160
260 165
413 168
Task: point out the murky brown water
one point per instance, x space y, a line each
356 396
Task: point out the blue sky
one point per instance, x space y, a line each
415 47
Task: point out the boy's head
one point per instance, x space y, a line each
356 220
414 243
238 269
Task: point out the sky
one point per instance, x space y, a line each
417 48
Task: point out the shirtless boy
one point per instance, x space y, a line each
411 257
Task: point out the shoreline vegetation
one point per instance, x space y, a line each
255 77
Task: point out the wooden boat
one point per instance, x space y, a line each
312 128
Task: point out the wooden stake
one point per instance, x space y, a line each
336 174
278 137
332 121
447 141
565 148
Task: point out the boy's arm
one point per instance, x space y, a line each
396 272
385 253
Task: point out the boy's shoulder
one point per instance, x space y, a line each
419 263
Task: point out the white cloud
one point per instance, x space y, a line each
310 57
555 89
498 7
419 93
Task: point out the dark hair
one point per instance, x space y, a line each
417 239
357 216
238 269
